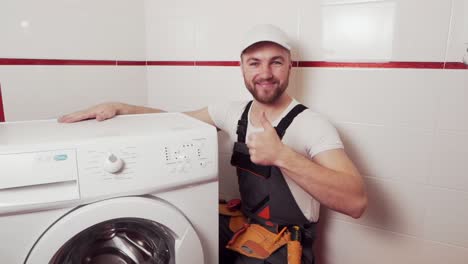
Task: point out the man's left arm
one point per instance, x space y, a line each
330 177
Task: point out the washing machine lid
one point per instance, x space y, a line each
187 245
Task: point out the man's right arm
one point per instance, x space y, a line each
105 111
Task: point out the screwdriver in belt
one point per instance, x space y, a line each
294 246
296 233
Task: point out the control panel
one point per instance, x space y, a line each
145 164
182 157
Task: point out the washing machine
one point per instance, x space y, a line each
138 189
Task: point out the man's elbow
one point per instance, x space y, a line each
359 207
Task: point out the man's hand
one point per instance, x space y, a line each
265 147
100 112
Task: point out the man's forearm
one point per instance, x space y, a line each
341 191
127 109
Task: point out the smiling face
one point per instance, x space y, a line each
266 67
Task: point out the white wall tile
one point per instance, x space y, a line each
446 216
453 95
390 153
43 92
450 160
170 29
197 86
109 29
407 36
365 147
169 91
421 30
373 96
343 242
458 39
356 244
223 23
392 205
335 92
434 253
358 32
309 45
170 82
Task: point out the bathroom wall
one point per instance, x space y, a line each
59 56
388 74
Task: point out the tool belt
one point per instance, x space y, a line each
254 240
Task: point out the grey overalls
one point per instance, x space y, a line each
266 198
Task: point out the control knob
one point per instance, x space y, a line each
112 163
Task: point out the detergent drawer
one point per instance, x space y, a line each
34 168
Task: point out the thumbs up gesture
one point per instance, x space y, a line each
264 147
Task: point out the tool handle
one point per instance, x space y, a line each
294 252
296 233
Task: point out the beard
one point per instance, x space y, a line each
272 96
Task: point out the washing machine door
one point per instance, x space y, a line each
126 230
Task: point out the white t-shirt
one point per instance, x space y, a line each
309 134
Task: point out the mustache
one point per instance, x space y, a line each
262 80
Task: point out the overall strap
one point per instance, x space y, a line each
280 128
242 124
287 120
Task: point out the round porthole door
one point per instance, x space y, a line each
126 230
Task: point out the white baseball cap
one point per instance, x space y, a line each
265 32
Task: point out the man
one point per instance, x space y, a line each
289 159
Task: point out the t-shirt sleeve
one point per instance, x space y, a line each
326 138
218 113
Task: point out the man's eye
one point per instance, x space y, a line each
253 64
277 62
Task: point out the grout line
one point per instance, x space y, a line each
427 185
354 2
396 233
449 33
2 112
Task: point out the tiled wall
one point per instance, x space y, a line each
90 35
404 126
401 116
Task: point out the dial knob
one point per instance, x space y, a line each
112 163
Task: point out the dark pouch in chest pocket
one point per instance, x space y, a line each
241 159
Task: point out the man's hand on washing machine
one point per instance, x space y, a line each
99 112
105 111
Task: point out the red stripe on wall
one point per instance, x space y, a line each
393 64
2 114
456 66
14 61
131 63
217 63
301 64
170 63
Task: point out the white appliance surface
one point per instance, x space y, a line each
52 174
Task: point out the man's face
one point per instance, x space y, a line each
266 67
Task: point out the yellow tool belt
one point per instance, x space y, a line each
253 240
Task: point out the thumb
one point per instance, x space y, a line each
264 121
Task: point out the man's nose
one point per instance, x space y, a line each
265 71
